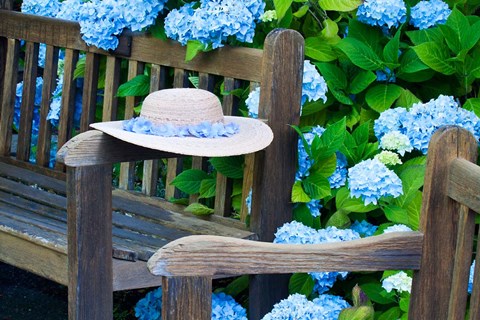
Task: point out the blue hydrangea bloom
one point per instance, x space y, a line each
214 21
69 10
386 75
314 206
56 104
364 228
252 102
297 306
297 233
248 201
423 119
339 176
304 161
426 14
47 8
150 307
224 307
36 105
371 180
399 281
397 228
470 279
382 13
314 86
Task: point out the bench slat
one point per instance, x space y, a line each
28 101
49 85
112 81
89 95
8 99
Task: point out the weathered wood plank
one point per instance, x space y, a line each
127 169
8 98
129 275
65 124
432 284
464 183
90 242
89 95
112 81
475 297
186 297
94 147
28 101
212 255
49 85
280 104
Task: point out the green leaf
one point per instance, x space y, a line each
325 167
370 36
377 294
330 141
357 313
458 37
195 80
298 194
360 54
396 214
361 81
382 96
390 52
340 95
335 76
405 303
301 12
316 186
193 48
344 202
189 181
302 214
80 68
207 188
425 35
281 7
435 56
317 49
237 286
158 30
473 104
339 219
407 99
138 86
231 167
413 210
412 180
199 209
362 133
392 313
339 5
410 62
301 283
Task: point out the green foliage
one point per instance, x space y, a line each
301 283
138 86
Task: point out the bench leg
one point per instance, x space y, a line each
90 289
186 298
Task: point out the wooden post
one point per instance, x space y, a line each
186 298
441 220
90 288
280 98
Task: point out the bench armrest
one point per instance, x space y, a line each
214 255
96 148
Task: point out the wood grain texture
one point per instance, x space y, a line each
280 104
49 85
127 169
475 297
112 81
95 147
213 255
90 242
432 284
28 101
464 183
187 298
65 124
90 88
8 98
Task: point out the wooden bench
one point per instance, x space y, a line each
57 222
440 253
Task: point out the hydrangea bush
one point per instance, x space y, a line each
380 77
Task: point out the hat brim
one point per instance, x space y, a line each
253 136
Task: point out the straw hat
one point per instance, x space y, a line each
189 122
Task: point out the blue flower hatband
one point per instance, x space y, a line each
202 130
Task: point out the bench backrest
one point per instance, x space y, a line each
277 70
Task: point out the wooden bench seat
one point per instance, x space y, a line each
66 223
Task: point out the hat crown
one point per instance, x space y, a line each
182 107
